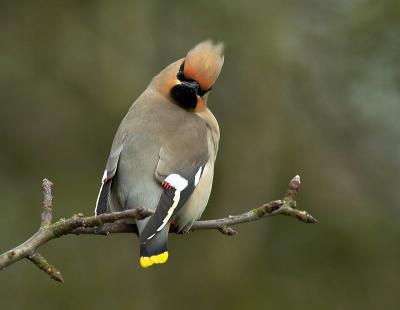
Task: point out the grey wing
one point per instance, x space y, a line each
179 170
109 173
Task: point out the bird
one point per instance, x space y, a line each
163 154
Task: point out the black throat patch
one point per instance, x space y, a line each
184 96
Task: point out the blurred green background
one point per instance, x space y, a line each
308 87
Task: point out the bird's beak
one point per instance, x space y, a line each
193 85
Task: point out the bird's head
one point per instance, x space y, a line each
187 81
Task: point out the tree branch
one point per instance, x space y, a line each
39 260
47 213
111 223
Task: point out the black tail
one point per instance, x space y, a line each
154 250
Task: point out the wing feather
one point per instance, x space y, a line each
109 173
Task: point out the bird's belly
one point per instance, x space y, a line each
194 207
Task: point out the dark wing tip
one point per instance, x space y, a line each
102 199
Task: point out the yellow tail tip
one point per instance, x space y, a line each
146 261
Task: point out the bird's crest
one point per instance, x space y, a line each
204 62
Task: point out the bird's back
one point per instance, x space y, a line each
150 122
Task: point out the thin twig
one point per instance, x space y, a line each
47 213
39 260
111 223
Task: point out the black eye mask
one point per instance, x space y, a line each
181 77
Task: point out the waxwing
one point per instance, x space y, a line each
162 157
